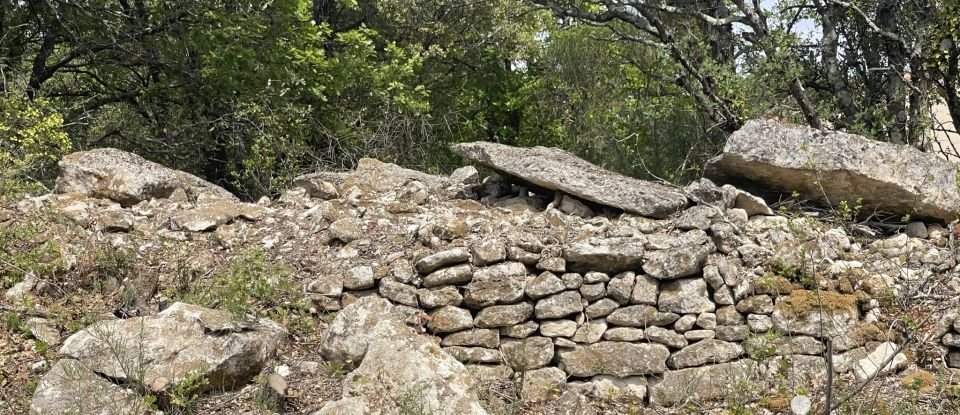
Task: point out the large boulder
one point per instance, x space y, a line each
558 170
398 368
182 341
128 179
832 167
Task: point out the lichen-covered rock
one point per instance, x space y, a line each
559 305
442 259
129 179
665 337
640 316
619 359
703 352
556 169
70 387
675 263
527 354
213 213
558 328
448 319
542 384
700 384
400 363
543 285
476 337
605 254
502 283
898 179
503 315
590 332
685 296
439 297
180 341
817 314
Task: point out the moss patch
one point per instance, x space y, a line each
801 303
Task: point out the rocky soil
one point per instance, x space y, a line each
552 286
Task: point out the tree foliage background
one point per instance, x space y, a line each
249 94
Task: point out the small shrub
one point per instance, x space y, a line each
24 250
31 142
246 286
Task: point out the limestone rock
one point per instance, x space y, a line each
620 288
619 359
448 319
543 285
698 384
499 284
645 291
174 343
590 332
442 259
559 305
640 316
665 337
542 384
898 179
129 179
476 337
439 297
704 352
398 364
503 315
527 354
676 262
823 314
211 214
601 308
72 388
488 252
605 254
623 334
874 362
556 169
685 296
398 292
558 328
520 331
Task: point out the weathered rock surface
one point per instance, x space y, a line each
70 387
705 383
128 179
893 178
703 352
556 169
176 342
606 254
399 363
619 359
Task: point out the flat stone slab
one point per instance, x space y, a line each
555 169
832 167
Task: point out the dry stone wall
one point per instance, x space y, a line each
564 288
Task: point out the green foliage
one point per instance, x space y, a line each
184 396
250 284
24 250
31 142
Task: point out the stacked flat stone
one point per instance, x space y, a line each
656 310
